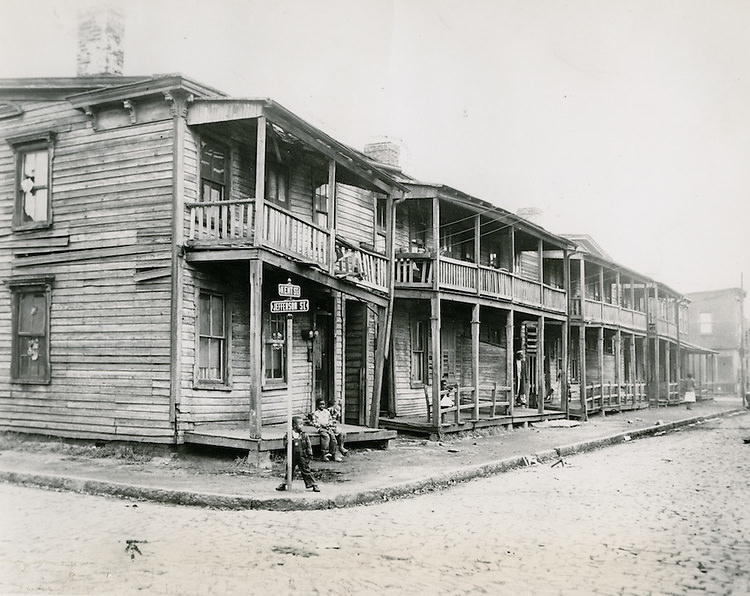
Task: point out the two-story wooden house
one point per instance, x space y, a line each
480 315
147 226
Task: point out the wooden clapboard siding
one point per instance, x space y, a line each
109 328
409 400
354 362
355 218
201 405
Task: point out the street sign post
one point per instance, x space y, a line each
292 304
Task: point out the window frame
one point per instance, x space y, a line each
23 146
223 185
279 322
225 382
419 352
276 172
18 289
706 323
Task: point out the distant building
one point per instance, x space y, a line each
715 321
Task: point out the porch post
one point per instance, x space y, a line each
541 382
331 216
255 346
509 360
600 356
582 374
475 326
633 365
618 366
437 360
668 367
260 182
564 371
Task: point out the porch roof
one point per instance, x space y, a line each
425 190
225 109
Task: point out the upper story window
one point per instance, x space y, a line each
33 204
381 223
706 323
30 361
277 184
320 205
213 172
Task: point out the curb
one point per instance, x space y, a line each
367 497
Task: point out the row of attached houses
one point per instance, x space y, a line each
148 225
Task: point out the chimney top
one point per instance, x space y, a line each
100 36
385 152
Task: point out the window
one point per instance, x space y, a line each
706 323
419 352
274 348
212 338
277 185
33 207
381 223
30 359
213 172
320 205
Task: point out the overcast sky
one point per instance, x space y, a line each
626 120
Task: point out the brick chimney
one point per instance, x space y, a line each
385 152
100 37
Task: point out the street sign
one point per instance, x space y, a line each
290 306
289 290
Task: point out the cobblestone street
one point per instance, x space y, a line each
663 515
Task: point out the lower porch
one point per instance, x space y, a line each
519 417
235 436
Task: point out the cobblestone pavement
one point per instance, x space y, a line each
663 515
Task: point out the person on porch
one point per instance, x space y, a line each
335 419
322 421
521 379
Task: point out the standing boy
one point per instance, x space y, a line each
301 455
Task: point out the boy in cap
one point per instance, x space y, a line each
301 455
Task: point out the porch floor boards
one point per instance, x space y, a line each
419 424
272 436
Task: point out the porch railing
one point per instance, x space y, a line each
221 221
363 266
527 291
457 274
554 298
413 269
495 282
291 235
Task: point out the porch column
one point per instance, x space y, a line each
541 382
255 346
509 360
618 367
474 359
633 365
600 356
260 182
582 374
477 249
437 360
331 198
564 372
668 368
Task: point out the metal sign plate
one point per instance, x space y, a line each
290 306
289 291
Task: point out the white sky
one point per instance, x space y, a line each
626 120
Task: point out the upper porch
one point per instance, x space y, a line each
449 242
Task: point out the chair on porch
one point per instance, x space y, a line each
448 399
